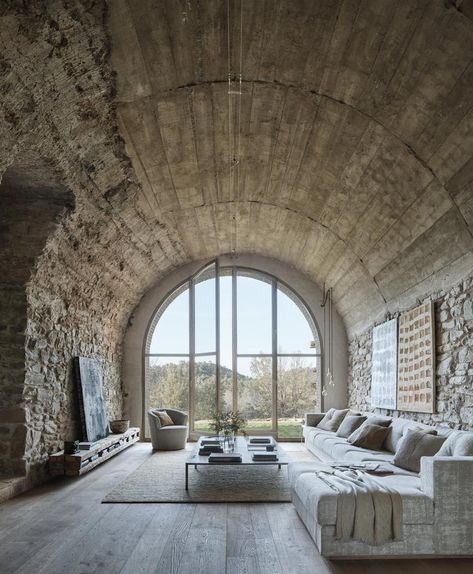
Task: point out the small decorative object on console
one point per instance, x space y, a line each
119 426
71 446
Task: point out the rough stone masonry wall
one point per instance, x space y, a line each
12 376
454 359
56 100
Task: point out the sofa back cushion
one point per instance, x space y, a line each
458 443
378 420
399 428
369 436
413 446
328 415
336 419
349 424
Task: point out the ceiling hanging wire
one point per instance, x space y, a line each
234 113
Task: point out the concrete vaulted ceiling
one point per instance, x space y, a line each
356 161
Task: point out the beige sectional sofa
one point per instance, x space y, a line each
437 502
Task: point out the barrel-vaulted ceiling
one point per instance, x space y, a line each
356 161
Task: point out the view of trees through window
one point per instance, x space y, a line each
271 375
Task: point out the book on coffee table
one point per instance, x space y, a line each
217 457
209 449
209 440
261 456
260 440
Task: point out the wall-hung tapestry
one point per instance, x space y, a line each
93 411
416 376
384 366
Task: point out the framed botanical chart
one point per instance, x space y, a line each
416 376
384 365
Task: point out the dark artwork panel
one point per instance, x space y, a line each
91 401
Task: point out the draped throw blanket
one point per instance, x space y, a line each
366 510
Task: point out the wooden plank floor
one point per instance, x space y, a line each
62 527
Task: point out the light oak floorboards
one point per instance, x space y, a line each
62 527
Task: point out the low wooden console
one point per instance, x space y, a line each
85 460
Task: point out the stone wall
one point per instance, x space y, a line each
82 273
454 359
12 375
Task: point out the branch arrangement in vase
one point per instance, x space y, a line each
230 422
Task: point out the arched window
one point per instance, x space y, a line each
240 339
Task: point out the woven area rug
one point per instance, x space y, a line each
161 478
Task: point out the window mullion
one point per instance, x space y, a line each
234 341
191 355
217 334
274 311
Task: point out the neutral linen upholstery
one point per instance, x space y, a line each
448 480
370 437
323 423
366 510
413 446
458 443
336 420
313 419
171 437
371 420
437 502
349 424
398 428
164 418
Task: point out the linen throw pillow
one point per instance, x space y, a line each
413 446
372 420
397 432
164 419
368 436
464 445
328 415
349 424
379 420
458 443
336 419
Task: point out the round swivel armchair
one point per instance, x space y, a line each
169 437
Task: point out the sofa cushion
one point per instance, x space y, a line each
378 420
464 445
349 424
321 500
336 419
369 436
458 443
327 417
413 446
399 427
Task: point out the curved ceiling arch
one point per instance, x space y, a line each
352 117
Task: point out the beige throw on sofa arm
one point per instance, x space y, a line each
366 510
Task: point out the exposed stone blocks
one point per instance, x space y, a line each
12 374
454 359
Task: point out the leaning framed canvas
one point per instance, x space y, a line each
416 365
384 365
93 411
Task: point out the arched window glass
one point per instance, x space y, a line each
171 325
240 339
